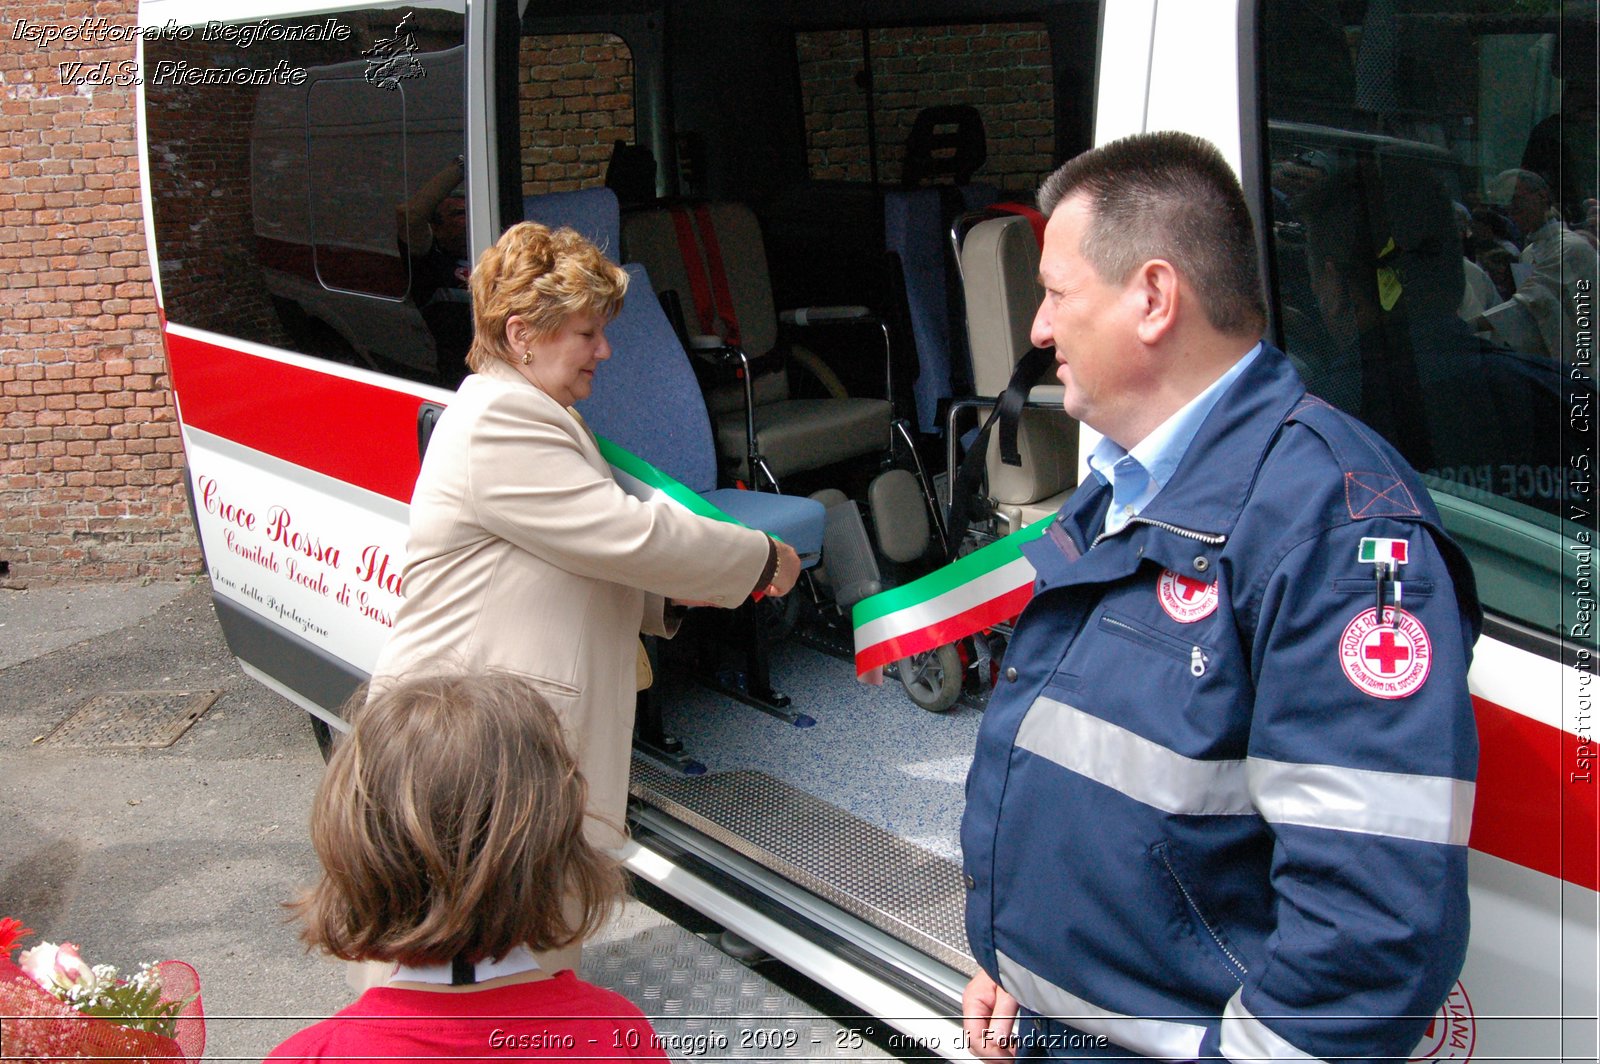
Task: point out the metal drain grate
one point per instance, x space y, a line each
131 718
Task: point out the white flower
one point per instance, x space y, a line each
59 969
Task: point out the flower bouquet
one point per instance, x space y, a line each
56 1006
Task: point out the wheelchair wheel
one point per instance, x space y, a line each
933 678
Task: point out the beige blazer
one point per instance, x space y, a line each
525 556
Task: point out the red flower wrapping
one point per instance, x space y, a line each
36 1026
11 932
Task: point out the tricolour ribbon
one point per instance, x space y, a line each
648 484
970 594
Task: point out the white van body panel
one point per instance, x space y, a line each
1529 989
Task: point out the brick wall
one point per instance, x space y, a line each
576 98
90 459
1002 69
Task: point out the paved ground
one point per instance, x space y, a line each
189 851
185 852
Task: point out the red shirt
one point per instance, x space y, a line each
560 1018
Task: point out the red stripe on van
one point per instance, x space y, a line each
358 433
1536 803
1534 807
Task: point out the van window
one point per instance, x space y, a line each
306 186
1427 172
575 96
1000 69
353 138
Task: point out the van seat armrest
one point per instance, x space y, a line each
824 315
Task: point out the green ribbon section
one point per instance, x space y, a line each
645 473
961 571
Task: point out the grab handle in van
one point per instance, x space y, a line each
427 418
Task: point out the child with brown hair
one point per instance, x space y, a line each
450 830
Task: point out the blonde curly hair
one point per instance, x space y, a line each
543 276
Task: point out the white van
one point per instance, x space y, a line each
310 345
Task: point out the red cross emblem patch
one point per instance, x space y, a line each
1184 598
1383 660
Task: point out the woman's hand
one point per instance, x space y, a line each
787 572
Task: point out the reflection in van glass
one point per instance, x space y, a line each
575 98
1433 256
327 216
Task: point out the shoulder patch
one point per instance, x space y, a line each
1310 402
1388 657
1375 478
1378 495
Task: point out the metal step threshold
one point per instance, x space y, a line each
910 894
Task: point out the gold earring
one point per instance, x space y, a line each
526 357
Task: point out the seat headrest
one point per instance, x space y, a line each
945 141
593 212
631 173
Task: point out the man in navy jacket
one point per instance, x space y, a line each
1220 802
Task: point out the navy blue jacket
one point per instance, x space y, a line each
1220 810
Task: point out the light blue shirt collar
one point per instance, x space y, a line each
1137 476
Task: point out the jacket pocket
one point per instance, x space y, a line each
563 697
1193 655
1367 585
1206 929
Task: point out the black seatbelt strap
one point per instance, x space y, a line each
1008 412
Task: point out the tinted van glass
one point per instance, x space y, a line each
1434 259
308 191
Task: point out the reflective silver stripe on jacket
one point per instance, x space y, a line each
1163 1039
1135 766
1245 1038
1398 805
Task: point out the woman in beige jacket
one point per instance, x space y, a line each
524 554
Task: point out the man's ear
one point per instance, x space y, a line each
1157 295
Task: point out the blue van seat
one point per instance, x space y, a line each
593 212
913 229
945 143
646 400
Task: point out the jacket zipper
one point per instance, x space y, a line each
1213 539
1195 655
1198 915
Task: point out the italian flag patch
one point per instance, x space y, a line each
1374 551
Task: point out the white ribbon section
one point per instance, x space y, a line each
1245 1038
647 493
1163 1039
1434 809
1018 572
1132 765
